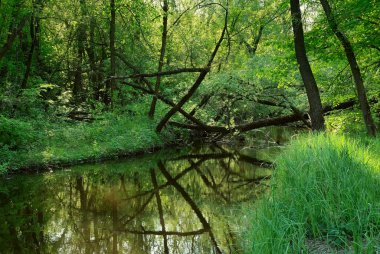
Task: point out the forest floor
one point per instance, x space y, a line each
324 198
44 145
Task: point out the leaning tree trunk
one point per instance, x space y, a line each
362 96
165 8
316 112
197 82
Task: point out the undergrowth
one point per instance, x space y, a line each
325 188
48 142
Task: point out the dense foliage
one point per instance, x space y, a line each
66 63
85 80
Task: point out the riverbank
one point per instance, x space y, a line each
48 145
324 198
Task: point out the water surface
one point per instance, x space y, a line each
174 201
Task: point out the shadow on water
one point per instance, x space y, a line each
176 201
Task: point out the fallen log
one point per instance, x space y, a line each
282 120
275 121
198 125
344 105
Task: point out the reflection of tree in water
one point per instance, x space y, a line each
177 207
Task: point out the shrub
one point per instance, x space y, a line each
15 133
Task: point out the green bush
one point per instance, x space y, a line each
15 133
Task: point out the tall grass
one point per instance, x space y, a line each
326 189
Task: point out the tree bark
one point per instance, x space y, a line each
12 36
111 84
351 58
198 123
93 73
160 209
274 121
196 84
252 48
165 8
156 74
315 104
34 30
80 38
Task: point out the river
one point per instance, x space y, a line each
177 200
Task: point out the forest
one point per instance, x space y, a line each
216 88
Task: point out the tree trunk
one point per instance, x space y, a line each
197 83
81 38
12 35
252 48
162 56
316 112
112 83
361 93
93 74
33 35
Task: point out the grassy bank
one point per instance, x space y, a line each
324 198
34 144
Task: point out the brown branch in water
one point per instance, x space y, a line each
177 177
192 204
131 218
239 156
160 209
167 233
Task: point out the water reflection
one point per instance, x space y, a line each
172 202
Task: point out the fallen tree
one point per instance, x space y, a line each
198 125
274 121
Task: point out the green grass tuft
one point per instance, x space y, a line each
326 188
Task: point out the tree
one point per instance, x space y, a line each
112 83
12 35
34 36
351 58
197 82
165 8
315 104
